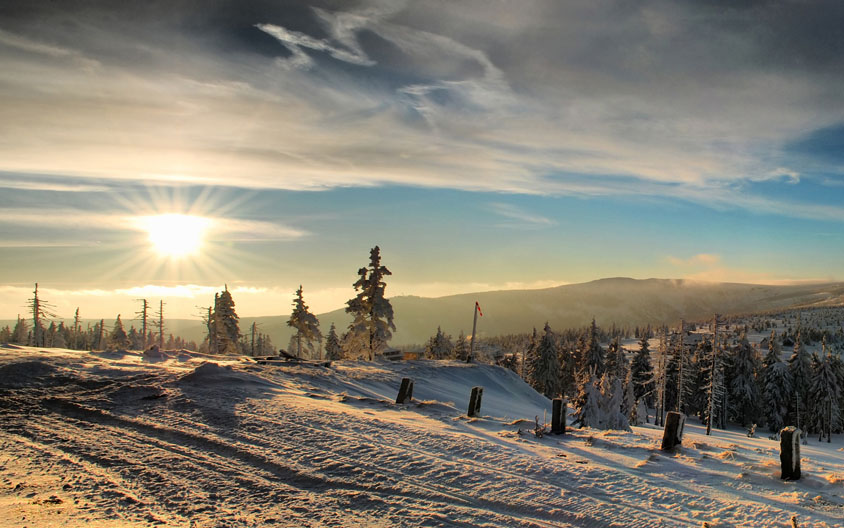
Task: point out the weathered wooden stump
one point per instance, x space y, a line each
558 416
790 453
673 435
405 391
475 401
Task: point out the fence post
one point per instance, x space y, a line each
558 416
790 453
673 434
475 401
405 391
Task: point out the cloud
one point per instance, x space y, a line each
577 98
701 259
520 218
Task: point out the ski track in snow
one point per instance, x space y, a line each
113 440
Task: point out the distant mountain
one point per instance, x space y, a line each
621 301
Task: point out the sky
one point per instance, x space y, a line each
164 150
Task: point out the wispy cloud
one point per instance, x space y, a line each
503 98
519 217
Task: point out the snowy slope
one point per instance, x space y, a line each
180 439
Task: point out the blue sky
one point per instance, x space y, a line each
481 145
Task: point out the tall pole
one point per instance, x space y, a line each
475 309
712 375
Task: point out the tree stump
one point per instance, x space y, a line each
475 401
673 435
790 453
558 416
405 391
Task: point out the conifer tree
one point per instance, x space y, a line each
461 347
744 393
118 338
616 363
547 370
642 372
800 368
372 325
593 354
305 323
226 323
333 349
612 403
587 407
531 360
824 393
20 334
439 346
776 387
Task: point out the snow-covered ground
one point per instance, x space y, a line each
181 439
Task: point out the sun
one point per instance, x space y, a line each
176 235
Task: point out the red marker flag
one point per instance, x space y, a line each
478 306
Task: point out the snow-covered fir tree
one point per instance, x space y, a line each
642 372
800 368
612 403
226 323
461 347
616 363
439 346
531 360
547 370
593 354
824 393
372 325
306 325
776 387
118 339
744 391
588 405
333 348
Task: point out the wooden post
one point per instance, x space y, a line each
673 435
405 391
558 416
475 401
790 453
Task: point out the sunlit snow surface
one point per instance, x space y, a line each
182 439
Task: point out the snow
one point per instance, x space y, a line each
185 439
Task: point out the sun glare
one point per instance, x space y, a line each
176 235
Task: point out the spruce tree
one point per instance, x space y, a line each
372 323
118 339
744 391
612 404
226 323
547 370
593 354
439 346
824 393
461 348
531 360
305 323
642 372
20 334
776 388
587 405
800 368
333 349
